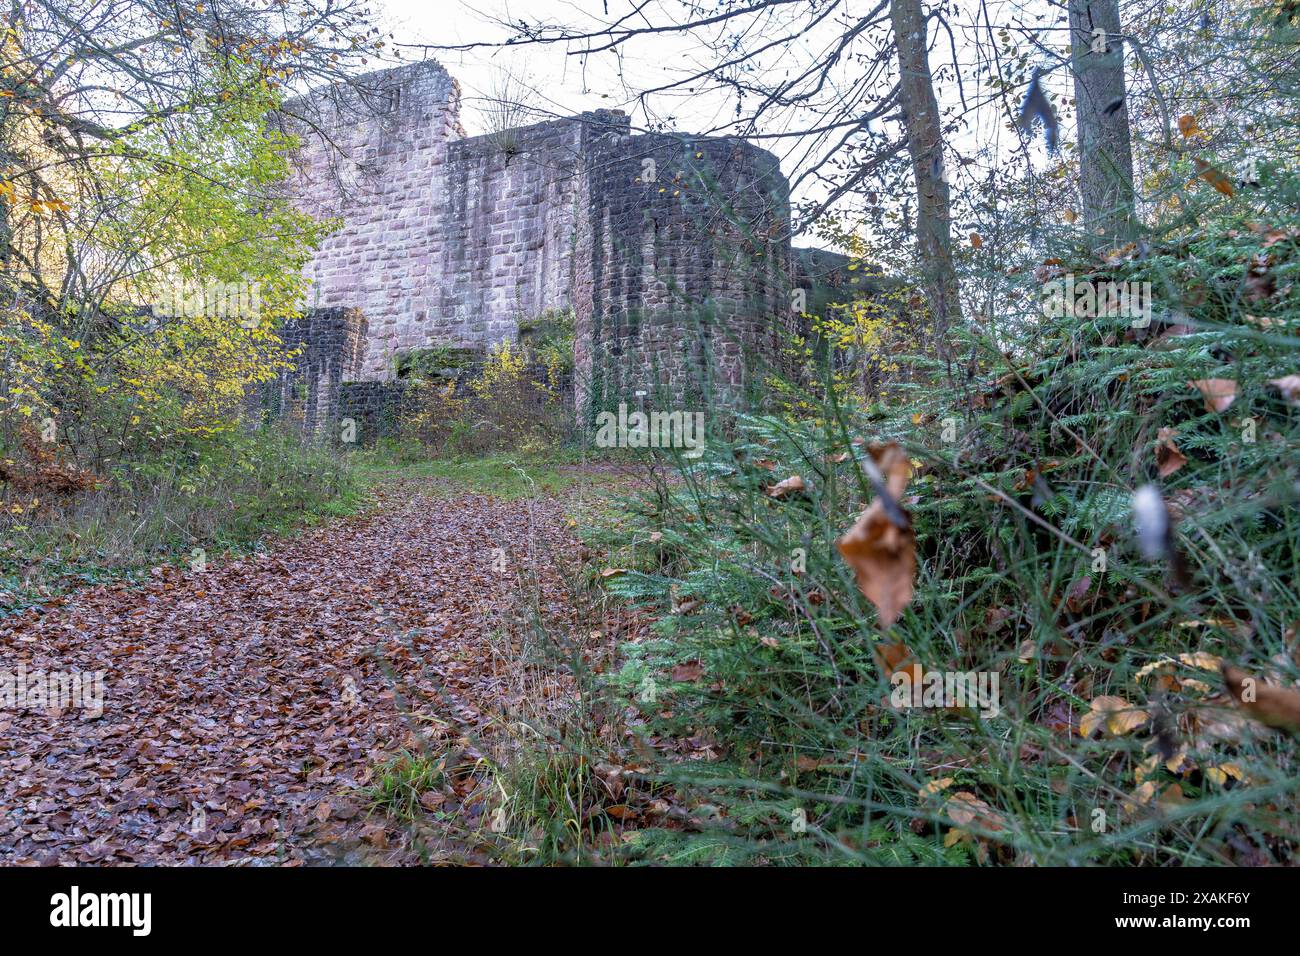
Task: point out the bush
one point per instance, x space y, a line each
191 503
766 687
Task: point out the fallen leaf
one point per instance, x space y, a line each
1168 456
789 486
1219 393
1115 714
1223 771
934 786
1277 707
965 808
688 672
1289 386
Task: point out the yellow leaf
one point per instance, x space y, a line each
934 786
1117 715
1223 771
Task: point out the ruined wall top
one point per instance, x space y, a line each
453 241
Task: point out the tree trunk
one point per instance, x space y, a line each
1105 150
925 144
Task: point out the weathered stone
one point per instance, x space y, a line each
672 252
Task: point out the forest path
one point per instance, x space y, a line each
244 705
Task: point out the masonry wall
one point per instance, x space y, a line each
326 348
678 282
447 240
684 290
374 154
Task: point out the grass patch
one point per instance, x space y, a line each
505 476
227 499
399 783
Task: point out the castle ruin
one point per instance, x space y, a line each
670 252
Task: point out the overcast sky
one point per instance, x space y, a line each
562 84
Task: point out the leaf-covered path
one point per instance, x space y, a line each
242 703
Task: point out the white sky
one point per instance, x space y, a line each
562 84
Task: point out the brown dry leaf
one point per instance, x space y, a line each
1214 177
1219 393
1078 594
686 606
689 672
1070 216
1168 456
1289 386
1173 796
883 559
882 555
767 464
893 656
894 465
964 808
976 240
1187 126
610 572
1277 707
790 486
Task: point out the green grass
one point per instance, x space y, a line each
399 783
786 688
229 498
505 476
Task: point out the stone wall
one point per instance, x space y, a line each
375 156
684 271
672 252
326 347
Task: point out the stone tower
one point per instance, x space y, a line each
670 252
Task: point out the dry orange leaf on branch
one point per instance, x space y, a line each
1277 707
881 545
1214 177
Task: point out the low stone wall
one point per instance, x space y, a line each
327 347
